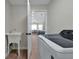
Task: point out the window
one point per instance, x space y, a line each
40 19
34 26
37 26
40 27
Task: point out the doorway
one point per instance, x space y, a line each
39 20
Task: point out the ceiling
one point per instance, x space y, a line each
32 2
39 2
17 2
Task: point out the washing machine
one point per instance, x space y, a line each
54 46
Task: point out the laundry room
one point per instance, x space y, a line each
39 29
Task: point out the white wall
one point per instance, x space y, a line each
15 18
60 15
8 20
19 18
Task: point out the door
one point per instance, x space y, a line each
29 21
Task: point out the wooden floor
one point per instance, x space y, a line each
14 55
35 50
23 53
